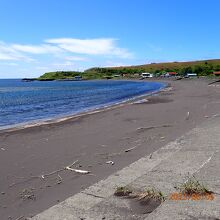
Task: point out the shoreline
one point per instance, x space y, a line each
72 116
123 135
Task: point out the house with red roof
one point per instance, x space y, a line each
169 74
216 73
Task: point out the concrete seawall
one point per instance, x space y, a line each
196 153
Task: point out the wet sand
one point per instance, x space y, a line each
93 139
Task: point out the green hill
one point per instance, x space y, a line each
203 68
59 75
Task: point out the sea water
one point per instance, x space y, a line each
25 102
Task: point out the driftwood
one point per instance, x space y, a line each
77 171
60 179
110 162
130 149
19 218
43 176
153 127
187 116
49 174
214 82
69 167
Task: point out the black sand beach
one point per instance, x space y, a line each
122 135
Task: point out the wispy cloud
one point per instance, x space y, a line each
8 53
36 49
69 48
67 63
100 46
9 64
61 54
110 63
75 58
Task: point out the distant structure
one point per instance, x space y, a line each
169 74
188 75
147 75
78 78
117 75
216 73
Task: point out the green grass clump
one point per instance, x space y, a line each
122 191
151 193
193 186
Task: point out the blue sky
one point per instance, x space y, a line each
37 36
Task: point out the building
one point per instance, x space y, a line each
117 75
191 75
146 75
169 74
78 77
216 73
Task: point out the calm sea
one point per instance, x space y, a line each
24 102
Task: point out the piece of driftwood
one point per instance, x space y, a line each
130 149
60 180
43 176
69 167
110 162
187 116
49 174
19 218
153 127
77 171
214 82
57 171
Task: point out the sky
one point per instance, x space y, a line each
38 36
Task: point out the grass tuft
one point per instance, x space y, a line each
122 191
193 186
151 193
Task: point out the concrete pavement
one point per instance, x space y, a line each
196 153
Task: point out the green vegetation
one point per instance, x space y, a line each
65 75
149 193
202 68
152 193
122 191
193 186
59 75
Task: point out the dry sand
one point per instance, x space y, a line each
93 139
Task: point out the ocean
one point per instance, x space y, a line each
27 102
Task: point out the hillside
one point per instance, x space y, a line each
203 67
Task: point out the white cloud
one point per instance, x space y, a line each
9 53
44 68
65 48
67 63
59 54
39 49
75 58
99 46
9 64
110 63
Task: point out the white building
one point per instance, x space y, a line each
146 75
191 75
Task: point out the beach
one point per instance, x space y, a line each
119 135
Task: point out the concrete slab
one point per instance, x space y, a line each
197 153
